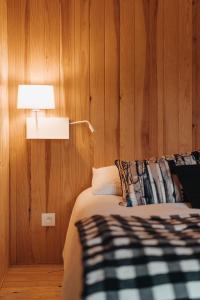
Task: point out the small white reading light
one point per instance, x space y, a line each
39 97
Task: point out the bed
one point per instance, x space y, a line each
88 205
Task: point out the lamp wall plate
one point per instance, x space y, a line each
47 128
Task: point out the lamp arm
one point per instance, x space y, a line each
84 121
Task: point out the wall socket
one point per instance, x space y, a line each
48 219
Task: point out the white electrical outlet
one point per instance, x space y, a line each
48 219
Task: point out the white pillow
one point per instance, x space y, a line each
106 181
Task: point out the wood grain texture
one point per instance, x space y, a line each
160 76
97 78
32 282
196 74
112 80
4 144
82 93
127 80
20 196
171 76
129 66
185 76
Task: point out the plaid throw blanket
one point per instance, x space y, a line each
132 258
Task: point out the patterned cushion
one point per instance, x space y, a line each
153 181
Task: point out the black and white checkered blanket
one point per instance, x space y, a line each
132 258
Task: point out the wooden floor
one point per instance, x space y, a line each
32 282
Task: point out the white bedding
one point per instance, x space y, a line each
87 205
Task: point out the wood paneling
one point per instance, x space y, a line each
97 78
112 80
171 76
185 76
4 144
196 75
124 64
160 76
127 82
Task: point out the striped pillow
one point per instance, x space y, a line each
152 181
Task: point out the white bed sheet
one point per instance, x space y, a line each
87 205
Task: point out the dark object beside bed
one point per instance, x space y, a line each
189 177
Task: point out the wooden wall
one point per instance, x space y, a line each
196 75
4 144
124 64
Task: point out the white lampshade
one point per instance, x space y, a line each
35 97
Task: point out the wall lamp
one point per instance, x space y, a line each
41 97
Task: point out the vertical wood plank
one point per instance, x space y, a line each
37 205
82 94
52 158
185 76
148 88
141 92
97 78
36 73
20 233
151 77
68 149
160 75
127 76
112 87
171 76
4 144
196 74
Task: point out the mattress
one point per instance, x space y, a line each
87 205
